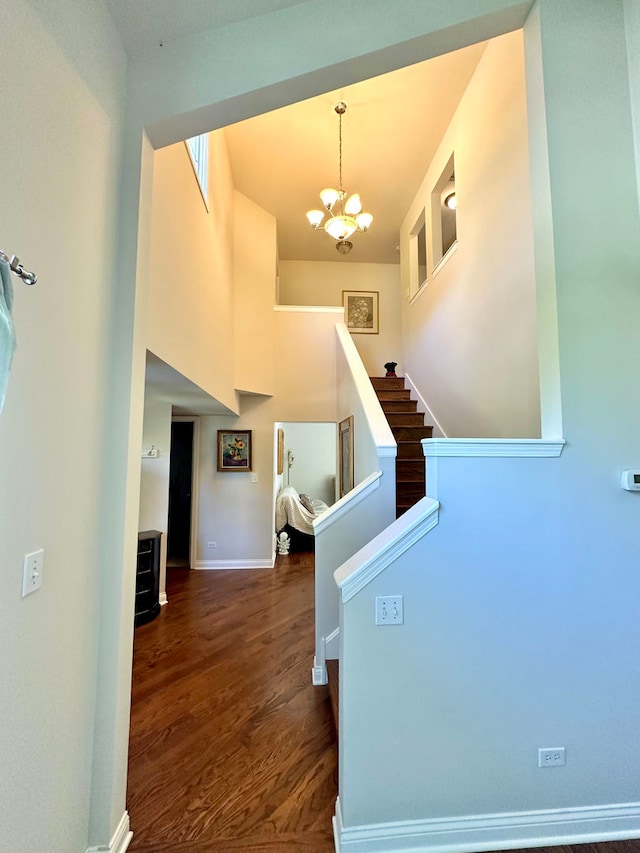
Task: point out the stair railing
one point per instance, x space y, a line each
365 510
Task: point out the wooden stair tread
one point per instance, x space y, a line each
390 407
383 383
405 419
408 428
411 433
393 395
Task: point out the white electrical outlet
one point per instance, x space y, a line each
552 757
212 544
389 610
32 572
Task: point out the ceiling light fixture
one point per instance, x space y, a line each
451 201
347 215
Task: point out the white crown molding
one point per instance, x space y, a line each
120 841
507 831
223 565
310 309
525 447
347 502
367 563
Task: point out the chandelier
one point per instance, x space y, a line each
347 215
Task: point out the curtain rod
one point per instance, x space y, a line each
18 269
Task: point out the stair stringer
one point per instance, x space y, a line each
438 429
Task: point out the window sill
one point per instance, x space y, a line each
444 260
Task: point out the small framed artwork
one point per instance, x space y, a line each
345 449
361 311
280 450
234 450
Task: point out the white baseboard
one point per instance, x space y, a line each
474 833
223 565
121 838
438 432
163 599
318 673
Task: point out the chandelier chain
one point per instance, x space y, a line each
340 149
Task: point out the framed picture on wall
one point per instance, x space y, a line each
234 450
345 450
280 468
361 311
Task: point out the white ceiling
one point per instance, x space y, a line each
281 160
391 131
142 23
185 396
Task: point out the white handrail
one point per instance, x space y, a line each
378 425
347 502
360 569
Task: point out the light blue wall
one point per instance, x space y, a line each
522 608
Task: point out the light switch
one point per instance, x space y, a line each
32 572
389 610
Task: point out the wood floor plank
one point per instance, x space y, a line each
231 748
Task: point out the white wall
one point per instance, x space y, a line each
470 334
254 295
190 309
154 480
322 283
314 469
62 100
233 511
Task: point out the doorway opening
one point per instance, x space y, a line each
179 538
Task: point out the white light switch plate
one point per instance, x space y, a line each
389 610
32 572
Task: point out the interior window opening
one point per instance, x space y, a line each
444 209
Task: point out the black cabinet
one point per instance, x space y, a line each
148 576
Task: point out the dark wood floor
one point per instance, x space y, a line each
231 748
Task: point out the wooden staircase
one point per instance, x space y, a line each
408 427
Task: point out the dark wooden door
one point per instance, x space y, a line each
180 479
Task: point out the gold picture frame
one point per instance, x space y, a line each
280 468
234 450
345 451
361 313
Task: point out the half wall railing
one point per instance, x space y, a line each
366 509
